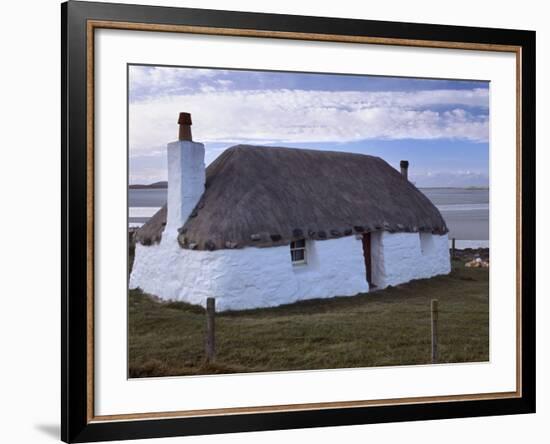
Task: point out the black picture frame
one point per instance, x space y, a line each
76 423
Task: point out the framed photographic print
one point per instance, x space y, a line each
275 221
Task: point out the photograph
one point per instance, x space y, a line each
287 221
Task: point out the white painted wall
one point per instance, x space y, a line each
263 277
402 257
250 277
186 178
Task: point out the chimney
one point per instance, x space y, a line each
185 123
404 164
186 175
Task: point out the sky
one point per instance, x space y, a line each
440 126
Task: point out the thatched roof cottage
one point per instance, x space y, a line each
264 226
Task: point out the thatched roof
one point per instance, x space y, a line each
266 196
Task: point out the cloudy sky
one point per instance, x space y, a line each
440 126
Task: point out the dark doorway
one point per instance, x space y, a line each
368 257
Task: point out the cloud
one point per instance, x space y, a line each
224 83
294 116
153 81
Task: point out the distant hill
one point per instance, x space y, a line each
162 184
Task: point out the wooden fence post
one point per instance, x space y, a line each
210 344
435 318
453 249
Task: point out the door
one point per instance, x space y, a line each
368 257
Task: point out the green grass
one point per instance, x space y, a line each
387 327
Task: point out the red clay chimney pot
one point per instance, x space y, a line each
184 122
185 119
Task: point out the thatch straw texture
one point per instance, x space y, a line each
151 232
265 196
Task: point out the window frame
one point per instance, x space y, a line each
294 248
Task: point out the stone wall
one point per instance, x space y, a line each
250 277
402 257
262 277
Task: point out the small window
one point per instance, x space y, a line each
426 243
298 252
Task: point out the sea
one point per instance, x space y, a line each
466 211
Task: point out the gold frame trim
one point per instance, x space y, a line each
92 25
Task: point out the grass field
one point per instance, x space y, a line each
387 327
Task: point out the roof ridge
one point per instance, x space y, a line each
282 148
